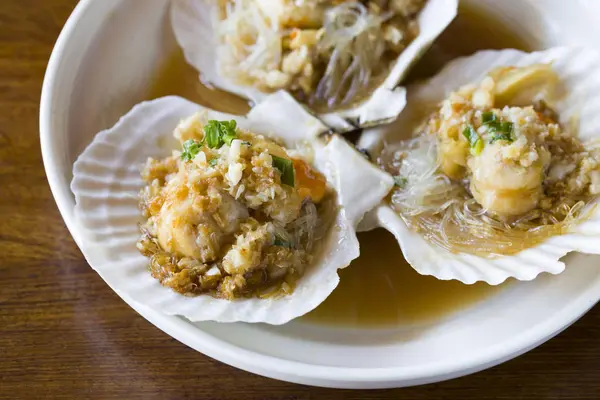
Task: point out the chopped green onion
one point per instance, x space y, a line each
501 136
217 133
475 142
488 117
190 149
213 162
503 131
470 134
400 181
500 130
286 168
212 135
507 127
478 148
228 131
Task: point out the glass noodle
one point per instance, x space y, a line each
252 37
347 57
354 44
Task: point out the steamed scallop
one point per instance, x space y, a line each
216 217
497 165
342 59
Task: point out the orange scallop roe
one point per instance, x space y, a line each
310 183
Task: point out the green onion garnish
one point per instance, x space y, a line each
488 117
478 148
286 168
500 130
475 142
212 135
218 133
228 131
190 149
213 162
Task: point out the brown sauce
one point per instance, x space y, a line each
473 29
177 77
379 288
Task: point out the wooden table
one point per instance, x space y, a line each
65 334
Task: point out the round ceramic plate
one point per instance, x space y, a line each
105 61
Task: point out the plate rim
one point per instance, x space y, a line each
265 365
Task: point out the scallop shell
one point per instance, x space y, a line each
579 71
193 20
107 180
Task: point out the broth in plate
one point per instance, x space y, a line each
380 288
177 77
473 29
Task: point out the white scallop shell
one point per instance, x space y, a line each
107 180
579 71
193 21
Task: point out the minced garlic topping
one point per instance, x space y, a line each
233 215
517 155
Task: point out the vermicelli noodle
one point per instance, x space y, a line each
354 44
327 53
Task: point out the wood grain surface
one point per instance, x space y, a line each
65 335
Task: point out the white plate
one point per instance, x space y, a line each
103 62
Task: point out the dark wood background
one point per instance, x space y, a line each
65 334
